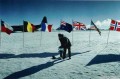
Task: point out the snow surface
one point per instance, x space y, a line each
90 60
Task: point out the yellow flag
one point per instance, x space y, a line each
29 27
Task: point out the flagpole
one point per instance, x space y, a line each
72 32
59 31
108 38
89 36
23 33
72 37
57 35
0 34
40 38
108 34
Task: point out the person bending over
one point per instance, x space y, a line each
65 44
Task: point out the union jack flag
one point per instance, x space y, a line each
115 25
79 26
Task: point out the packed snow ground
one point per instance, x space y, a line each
31 59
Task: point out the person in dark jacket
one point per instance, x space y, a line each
65 44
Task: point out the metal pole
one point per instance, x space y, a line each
0 34
108 37
23 33
72 32
40 38
89 36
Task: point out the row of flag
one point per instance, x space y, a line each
29 27
78 26
26 27
114 25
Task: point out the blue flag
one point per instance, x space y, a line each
66 26
44 24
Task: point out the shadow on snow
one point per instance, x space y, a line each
29 55
104 59
35 69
